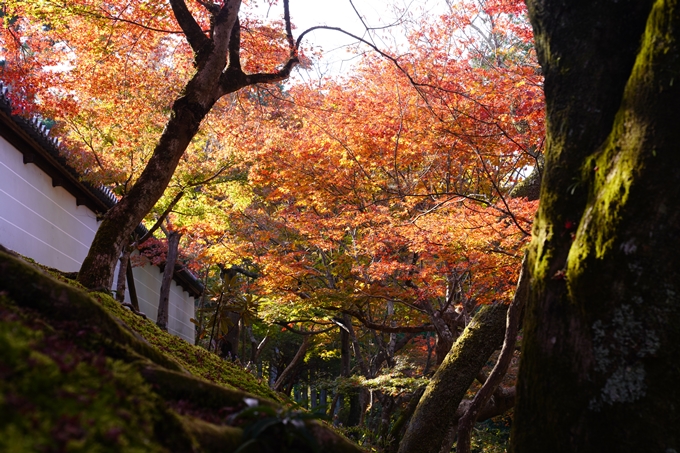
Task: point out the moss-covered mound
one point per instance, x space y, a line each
78 372
194 359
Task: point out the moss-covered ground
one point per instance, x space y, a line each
194 359
79 372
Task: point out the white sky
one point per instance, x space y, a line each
339 13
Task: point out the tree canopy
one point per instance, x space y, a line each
353 230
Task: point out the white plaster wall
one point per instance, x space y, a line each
148 281
43 222
38 220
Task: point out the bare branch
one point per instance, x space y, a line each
289 29
234 79
389 329
159 222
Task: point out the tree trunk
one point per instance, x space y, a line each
230 341
122 274
445 337
467 421
168 272
392 441
344 353
454 376
347 321
601 346
294 364
131 287
121 220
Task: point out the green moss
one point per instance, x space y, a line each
624 155
54 397
75 377
194 359
615 170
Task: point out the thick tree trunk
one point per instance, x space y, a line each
168 273
438 405
599 368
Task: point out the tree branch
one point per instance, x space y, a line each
289 29
299 357
160 220
233 79
512 326
235 48
195 36
389 329
231 271
302 332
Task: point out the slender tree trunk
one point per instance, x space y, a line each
601 348
168 272
216 321
294 364
200 328
233 335
122 274
134 301
454 376
395 433
347 321
344 353
218 72
467 421
445 337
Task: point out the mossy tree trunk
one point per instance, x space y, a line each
601 350
437 407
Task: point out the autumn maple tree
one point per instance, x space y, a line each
400 206
377 205
187 57
401 221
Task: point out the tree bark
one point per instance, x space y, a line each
438 405
121 220
168 272
601 346
134 301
